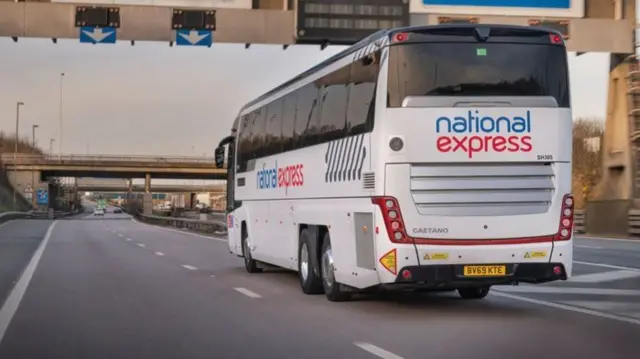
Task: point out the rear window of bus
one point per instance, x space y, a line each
477 69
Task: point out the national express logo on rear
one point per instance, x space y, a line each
478 133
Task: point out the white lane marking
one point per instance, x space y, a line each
113 231
605 276
159 254
128 239
606 266
212 276
120 235
141 245
568 308
536 289
377 351
13 301
189 267
181 232
248 293
608 239
588 247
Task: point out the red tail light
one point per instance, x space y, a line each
556 39
392 219
400 37
566 219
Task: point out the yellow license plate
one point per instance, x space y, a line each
485 271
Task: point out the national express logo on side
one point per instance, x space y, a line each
478 133
288 176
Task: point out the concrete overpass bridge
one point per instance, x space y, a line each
112 166
163 188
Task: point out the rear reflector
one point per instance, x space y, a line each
389 262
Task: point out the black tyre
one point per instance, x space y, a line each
474 292
308 272
249 263
333 290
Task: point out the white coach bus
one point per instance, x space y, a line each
433 157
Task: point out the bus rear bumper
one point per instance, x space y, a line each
452 275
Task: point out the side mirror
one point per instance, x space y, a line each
219 154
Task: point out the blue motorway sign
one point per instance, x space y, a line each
97 35
43 196
194 37
536 4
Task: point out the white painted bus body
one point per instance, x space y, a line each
337 181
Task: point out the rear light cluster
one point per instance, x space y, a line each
392 218
566 219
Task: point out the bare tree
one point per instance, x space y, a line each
587 158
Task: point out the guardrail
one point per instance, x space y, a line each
211 227
578 221
8 216
634 223
21 158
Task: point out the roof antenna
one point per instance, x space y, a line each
482 33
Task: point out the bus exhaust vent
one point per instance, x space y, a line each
482 189
369 181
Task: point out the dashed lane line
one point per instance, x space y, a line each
248 293
159 254
377 351
141 245
189 267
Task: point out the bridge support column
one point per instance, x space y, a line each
147 199
616 193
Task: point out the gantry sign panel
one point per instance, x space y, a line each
539 8
347 21
588 25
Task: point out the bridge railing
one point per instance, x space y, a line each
8 158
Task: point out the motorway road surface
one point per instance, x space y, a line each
108 287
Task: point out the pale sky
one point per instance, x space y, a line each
160 100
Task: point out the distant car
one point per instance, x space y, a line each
117 210
99 212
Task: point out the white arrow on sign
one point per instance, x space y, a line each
98 34
194 37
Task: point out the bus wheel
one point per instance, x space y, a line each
249 263
332 289
474 292
310 280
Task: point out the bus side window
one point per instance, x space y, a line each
244 143
289 121
306 130
362 96
333 113
257 133
273 140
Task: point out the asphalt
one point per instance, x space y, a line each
113 288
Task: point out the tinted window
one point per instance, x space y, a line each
471 69
273 143
307 129
333 113
257 133
244 143
288 121
363 78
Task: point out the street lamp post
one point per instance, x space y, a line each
15 150
33 173
60 119
51 141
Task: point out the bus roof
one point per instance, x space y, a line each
516 30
